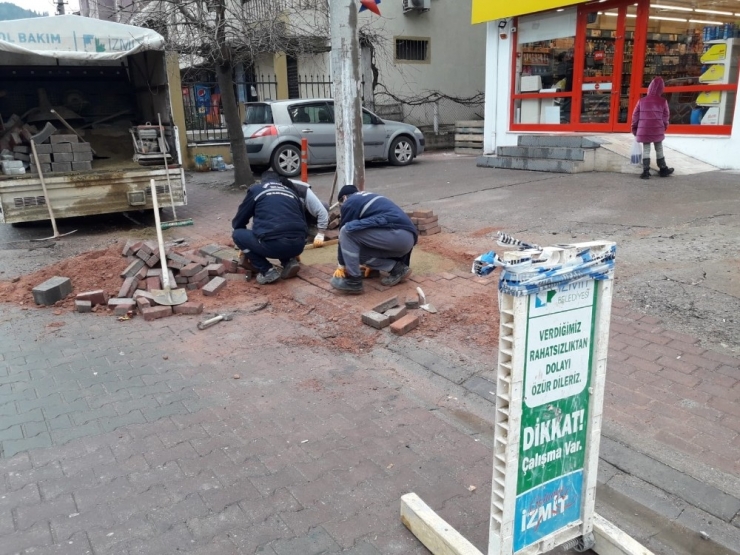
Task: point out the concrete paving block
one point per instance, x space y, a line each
62 157
61 167
396 313
81 166
56 139
386 304
156 312
81 147
216 269
83 306
96 297
43 149
200 276
132 269
405 324
82 157
62 148
190 270
190 307
52 290
115 302
376 319
412 302
214 286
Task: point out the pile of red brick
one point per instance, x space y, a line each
391 313
425 221
207 269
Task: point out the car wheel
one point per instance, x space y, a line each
286 160
401 151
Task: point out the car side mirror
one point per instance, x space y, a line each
377 121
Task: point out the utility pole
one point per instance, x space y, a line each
345 68
60 7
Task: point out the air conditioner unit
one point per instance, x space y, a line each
410 6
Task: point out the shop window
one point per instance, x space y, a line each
412 50
544 68
695 46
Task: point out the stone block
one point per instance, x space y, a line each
405 324
396 313
153 260
432 231
130 284
82 156
83 306
132 269
191 269
376 319
96 297
181 280
427 227
22 157
81 147
386 304
128 247
123 309
216 269
141 274
156 312
190 307
153 283
62 148
143 302
412 302
44 158
81 166
43 149
423 213
208 250
175 261
151 272
214 286
21 149
62 157
61 167
200 276
116 302
235 277
45 168
194 258
52 290
56 139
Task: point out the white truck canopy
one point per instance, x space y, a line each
72 37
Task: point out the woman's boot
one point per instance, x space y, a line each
645 168
665 171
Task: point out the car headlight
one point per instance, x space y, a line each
418 132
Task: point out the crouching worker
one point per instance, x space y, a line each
316 211
278 229
376 233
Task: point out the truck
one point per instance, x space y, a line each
99 83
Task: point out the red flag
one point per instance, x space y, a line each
371 5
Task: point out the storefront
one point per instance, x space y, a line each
559 66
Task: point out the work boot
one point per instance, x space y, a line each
291 269
270 276
399 273
665 171
645 169
349 284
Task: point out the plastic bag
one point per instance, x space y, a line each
636 154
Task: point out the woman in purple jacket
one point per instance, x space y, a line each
649 123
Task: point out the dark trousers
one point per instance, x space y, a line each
257 251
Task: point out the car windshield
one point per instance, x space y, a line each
258 114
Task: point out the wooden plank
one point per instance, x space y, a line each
468 137
610 540
470 123
437 536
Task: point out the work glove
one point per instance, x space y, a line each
340 273
318 241
366 272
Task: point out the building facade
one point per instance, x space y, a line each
559 66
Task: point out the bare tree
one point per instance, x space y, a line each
219 34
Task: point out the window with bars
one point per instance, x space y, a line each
412 49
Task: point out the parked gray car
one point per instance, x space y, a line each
273 131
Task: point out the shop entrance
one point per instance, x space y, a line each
604 68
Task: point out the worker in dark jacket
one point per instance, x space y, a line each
649 123
376 233
278 229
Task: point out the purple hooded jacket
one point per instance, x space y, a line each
651 116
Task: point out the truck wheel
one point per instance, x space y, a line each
401 152
286 160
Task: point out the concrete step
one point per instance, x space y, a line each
549 153
564 141
531 164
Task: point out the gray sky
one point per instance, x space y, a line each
46 5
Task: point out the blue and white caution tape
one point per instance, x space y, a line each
537 270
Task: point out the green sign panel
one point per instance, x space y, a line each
557 374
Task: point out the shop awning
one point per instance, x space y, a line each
76 38
490 10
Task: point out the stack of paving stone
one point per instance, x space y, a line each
15 145
62 154
207 269
425 221
391 313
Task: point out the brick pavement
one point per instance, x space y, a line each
108 447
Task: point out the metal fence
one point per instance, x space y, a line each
204 117
439 112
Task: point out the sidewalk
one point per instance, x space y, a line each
136 437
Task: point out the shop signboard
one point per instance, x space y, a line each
490 10
555 409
